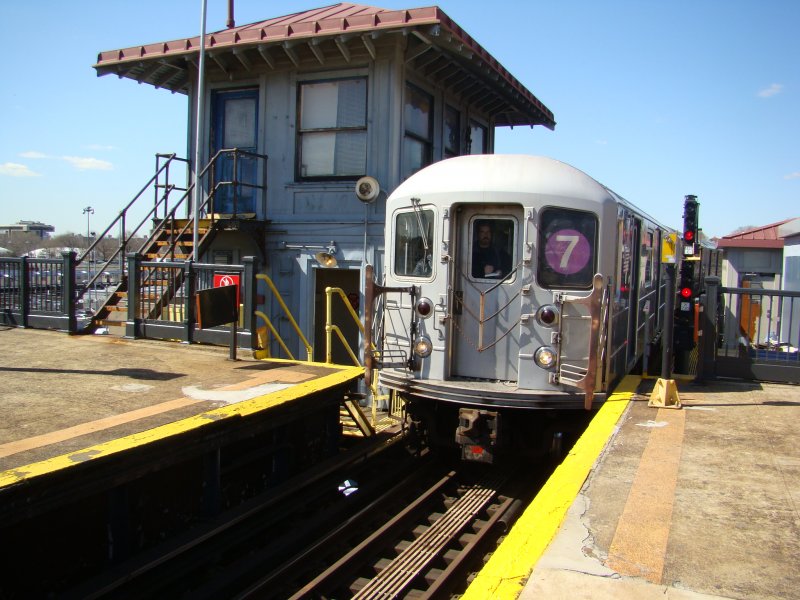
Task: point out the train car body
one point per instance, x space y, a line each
513 287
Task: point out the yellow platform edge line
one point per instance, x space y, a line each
241 409
507 571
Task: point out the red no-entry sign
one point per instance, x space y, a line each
223 279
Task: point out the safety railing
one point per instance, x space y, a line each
38 292
264 353
161 299
162 187
331 328
749 333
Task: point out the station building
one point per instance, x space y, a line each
323 98
41 230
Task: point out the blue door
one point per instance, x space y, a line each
234 118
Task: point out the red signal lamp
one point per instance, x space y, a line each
686 292
688 236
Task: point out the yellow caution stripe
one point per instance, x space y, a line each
508 569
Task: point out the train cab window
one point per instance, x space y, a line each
492 248
413 246
567 248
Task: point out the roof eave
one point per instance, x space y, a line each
762 244
166 64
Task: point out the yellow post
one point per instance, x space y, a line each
665 395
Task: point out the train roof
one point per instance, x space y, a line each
514 173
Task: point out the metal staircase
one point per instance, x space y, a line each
172 235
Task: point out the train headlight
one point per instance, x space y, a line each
545 357
423 308
547 315
423 346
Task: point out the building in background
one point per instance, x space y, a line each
41 230
766 257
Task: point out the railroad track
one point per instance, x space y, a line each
225 554
409 525
424 549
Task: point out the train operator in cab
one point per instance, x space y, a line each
488 261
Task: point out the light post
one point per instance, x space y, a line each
88 211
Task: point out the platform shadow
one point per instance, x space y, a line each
147 374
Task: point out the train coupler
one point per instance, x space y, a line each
477 434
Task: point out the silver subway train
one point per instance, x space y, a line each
516 290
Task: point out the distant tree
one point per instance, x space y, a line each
21 242
106 248
67 240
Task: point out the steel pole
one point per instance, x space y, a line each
669 322
199 129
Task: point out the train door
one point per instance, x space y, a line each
632 245
486 293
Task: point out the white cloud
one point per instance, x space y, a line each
33 154
795 175
17 170
88 164
775 88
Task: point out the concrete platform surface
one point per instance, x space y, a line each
61 393
701 502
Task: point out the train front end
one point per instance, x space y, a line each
491 304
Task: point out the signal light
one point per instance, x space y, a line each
687 282
691 210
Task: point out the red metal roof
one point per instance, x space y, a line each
164 64
766 236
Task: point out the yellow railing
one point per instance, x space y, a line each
330 329
288 314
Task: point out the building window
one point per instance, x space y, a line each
418 141
452 132
477 138
332 129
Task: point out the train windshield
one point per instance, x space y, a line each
567 248
492 248
413 246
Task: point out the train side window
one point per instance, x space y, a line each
413 246
646 260
567 248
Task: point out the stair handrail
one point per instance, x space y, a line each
120 220
165 198
203 207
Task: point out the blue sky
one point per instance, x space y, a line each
654 99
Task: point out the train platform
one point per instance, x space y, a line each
69 399
690 503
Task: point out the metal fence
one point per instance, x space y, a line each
38 292
161 300
42 293
750 333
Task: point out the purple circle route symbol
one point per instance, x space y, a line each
567 251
